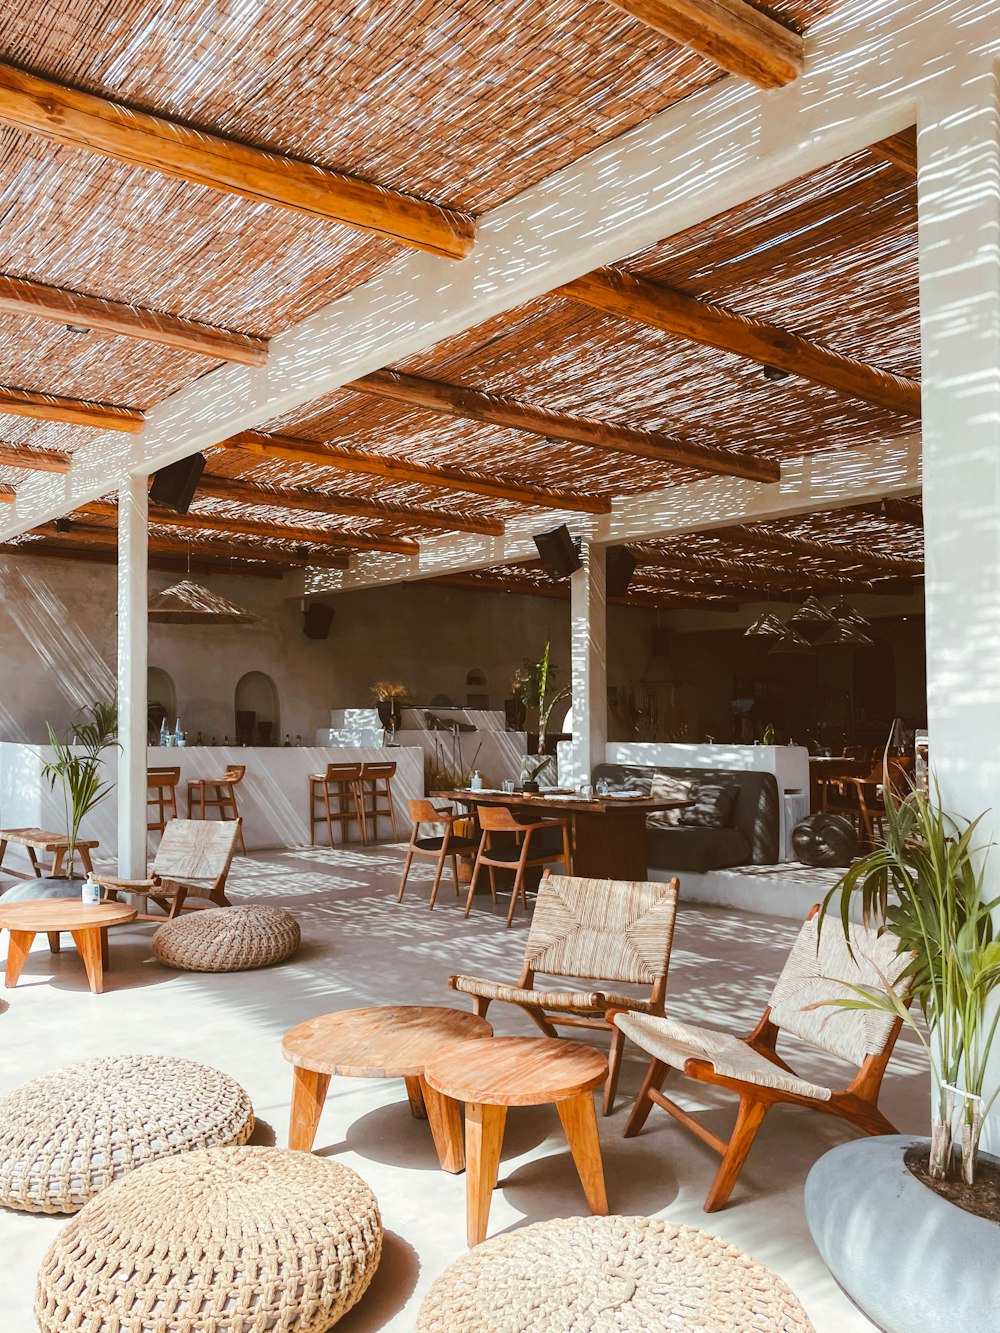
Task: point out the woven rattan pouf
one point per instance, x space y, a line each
609 1273
67 1135
216 1241
228 939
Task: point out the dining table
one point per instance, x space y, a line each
607 832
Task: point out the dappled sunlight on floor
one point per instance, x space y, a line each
361 947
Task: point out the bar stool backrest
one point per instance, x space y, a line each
343 772
234 773
163 777
380 770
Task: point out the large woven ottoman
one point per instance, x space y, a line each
66 1135
228 939
246 1239
609 1273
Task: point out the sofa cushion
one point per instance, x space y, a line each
712 807
696 848
664 787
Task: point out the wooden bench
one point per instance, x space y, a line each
40 840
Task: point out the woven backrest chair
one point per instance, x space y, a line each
192 860
819 965
618 931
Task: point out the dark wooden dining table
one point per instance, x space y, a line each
608 833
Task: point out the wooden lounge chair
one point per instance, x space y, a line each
593 929
751 1067
192 861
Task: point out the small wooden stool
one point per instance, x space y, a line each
161 793
340 784
87 923
394 1041
489 1076
224 800
41 840
376 786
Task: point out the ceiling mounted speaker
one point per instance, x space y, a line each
316 620
559 553
174 486
621 567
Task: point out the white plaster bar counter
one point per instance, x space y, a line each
273 797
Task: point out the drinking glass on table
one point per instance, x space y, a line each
507 786
603 786
586 791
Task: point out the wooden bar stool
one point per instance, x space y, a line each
376 787
497 819
161 793
200 800
449 844
339 794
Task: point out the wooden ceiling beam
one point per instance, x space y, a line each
291 449
96 124
732 34
629 295
35 301
103 555
767 540
194 520
896 509
7 495
561 591
33 459
104 536
763 575
251 493
900 149
455 400
72 411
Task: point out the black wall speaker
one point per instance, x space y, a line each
559 552
174 486
621 567
316 620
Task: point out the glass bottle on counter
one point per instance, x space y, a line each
163 732
198 740
214 741
180 736
298 741
288 742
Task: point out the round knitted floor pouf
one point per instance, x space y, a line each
215 1241
605 1275
66 1135
228 939
825 840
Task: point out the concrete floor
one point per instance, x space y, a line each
360 948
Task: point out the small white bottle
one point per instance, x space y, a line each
476 783
90 892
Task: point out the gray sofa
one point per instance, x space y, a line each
751 838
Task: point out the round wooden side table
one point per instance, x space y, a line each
390 1041
489 1076
87 923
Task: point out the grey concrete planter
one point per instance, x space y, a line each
913 1262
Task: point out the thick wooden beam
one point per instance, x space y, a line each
103 555
900 149
631 296
294 450
7 495
767 540
561 591
249 493
897 509
35 460
104 536
196 521
85 121
32 299
732 34
455 400
764 575
74 411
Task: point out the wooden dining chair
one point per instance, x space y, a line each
817 969
192 861
200 798
443 846
335 797
861 796
620 931
496 851
161 794
376 793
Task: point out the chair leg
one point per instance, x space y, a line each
748 1119
437 875
359 805
406 870
475 875
567 853
454 871
392 809
519 883
236 815
655 1077
614 1068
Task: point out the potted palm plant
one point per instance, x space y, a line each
76 765
909 1225
539 691
390 695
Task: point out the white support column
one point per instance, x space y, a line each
132 629
959 203
589 648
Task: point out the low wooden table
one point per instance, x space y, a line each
393 1041
88 924
40 840
489 1076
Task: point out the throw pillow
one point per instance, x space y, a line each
713 805
665 788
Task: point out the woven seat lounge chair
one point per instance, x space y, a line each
592 929
751 1067
192 861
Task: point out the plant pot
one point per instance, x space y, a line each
911 1260
530 787
540 769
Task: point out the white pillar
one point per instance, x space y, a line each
132 629
589 649
959 204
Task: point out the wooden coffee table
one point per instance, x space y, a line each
391 1041
88 924
489 1076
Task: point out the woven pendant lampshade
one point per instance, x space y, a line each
842 633
791 644
812 612
188 603
766 626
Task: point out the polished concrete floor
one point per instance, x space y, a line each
361 948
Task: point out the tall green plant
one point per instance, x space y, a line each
926 885
76 766
538 679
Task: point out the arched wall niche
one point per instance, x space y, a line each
257 694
